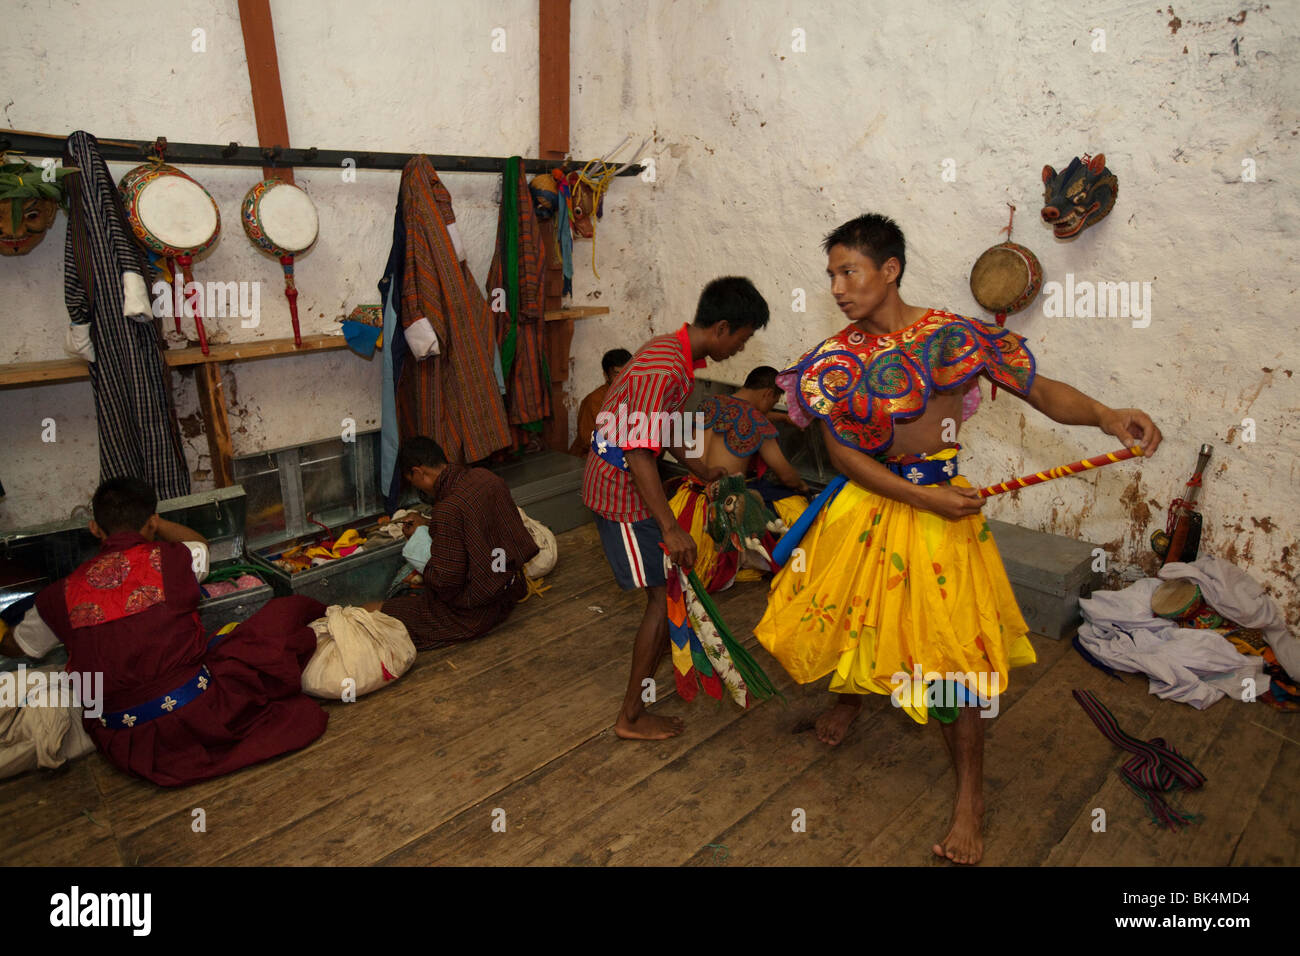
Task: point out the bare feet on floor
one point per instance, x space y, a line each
649 727
965 840
835 723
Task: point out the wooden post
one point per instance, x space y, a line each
212 406
553 143
264 78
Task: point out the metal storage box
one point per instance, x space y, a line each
1049 574
296 493
219 516
356 579
548 486
31 559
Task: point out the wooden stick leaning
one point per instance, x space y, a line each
1061 470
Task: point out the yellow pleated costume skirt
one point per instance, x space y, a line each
689 500
888 598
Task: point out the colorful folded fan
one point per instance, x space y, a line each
705 654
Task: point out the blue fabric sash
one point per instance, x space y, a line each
789 540
925 472
919 473
166 704
607 452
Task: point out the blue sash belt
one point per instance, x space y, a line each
925 472
166 704
790 540
608 452
919 473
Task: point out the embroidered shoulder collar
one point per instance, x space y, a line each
860 384
742 426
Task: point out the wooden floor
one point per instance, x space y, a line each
519 722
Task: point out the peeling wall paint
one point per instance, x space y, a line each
759 150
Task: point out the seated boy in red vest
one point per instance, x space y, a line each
176 709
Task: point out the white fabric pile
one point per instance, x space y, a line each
1190 665
47 737
369 648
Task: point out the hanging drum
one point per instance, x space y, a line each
174 218
1006 278
281 219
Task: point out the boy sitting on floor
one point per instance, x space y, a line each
176 708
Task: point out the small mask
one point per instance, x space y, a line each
1080 196
29 200
33 217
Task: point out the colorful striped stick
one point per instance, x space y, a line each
1070 469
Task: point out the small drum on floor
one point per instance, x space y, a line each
280 219
174 218
1181 601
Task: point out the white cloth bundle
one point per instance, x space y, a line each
369 647
547 553
32 737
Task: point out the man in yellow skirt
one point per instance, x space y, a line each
896 586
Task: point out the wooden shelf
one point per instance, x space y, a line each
72 369
576 312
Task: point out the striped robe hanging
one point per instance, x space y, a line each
452 394
520 329
138 433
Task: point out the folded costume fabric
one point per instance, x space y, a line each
1239 597
361 338
1189 665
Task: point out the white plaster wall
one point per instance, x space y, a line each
760 150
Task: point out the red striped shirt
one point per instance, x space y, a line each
659 378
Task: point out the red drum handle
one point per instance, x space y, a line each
178 299
185 263
291 293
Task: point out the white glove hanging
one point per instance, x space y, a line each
77 341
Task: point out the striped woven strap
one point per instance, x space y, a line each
1155 766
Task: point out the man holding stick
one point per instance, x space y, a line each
896 587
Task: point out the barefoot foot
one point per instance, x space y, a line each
649 727
965 840
835 723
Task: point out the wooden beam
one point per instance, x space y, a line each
553 79
17 374
553 143
576 312
258 348
264 78
212 405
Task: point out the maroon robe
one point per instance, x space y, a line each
252 709
469 587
